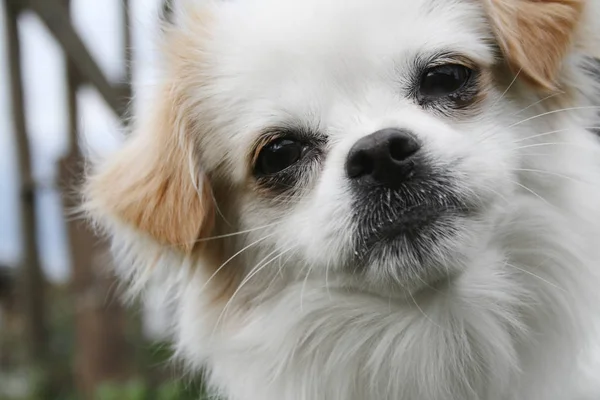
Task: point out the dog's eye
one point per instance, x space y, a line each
444 80
279 155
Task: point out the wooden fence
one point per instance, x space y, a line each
101 353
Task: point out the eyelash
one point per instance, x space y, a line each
292 180
296 175
445 104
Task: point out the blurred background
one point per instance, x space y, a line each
68 69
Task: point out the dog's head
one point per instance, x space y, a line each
373 140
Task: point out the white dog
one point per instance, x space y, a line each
370 199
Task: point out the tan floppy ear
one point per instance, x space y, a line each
535 35
154 183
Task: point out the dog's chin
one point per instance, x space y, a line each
425 249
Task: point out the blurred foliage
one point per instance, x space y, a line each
54 381
139 390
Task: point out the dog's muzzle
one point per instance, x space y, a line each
402 202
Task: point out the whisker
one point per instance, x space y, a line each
427 317
252 274
534 154
234 256
256 269
304 287
553 112
538 102
279 271
577 145
533 193
327 280
218 209
552 132
507 89
491 131
239 232
536 276
497 193
551 173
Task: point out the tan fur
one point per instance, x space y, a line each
154 183
535 35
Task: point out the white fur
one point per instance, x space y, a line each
518 323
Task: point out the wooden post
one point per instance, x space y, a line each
127 43
32 283
102 353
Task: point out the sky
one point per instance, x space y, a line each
98 23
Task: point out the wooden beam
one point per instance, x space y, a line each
127 41
126 88
56 17
102 353
32 282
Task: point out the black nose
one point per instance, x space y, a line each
383 157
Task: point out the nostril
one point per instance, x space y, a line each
402 147
382 157
360 163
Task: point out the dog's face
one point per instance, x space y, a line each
370 139
372 135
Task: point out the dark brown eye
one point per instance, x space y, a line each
443 80
278 155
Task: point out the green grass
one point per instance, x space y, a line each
140 391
